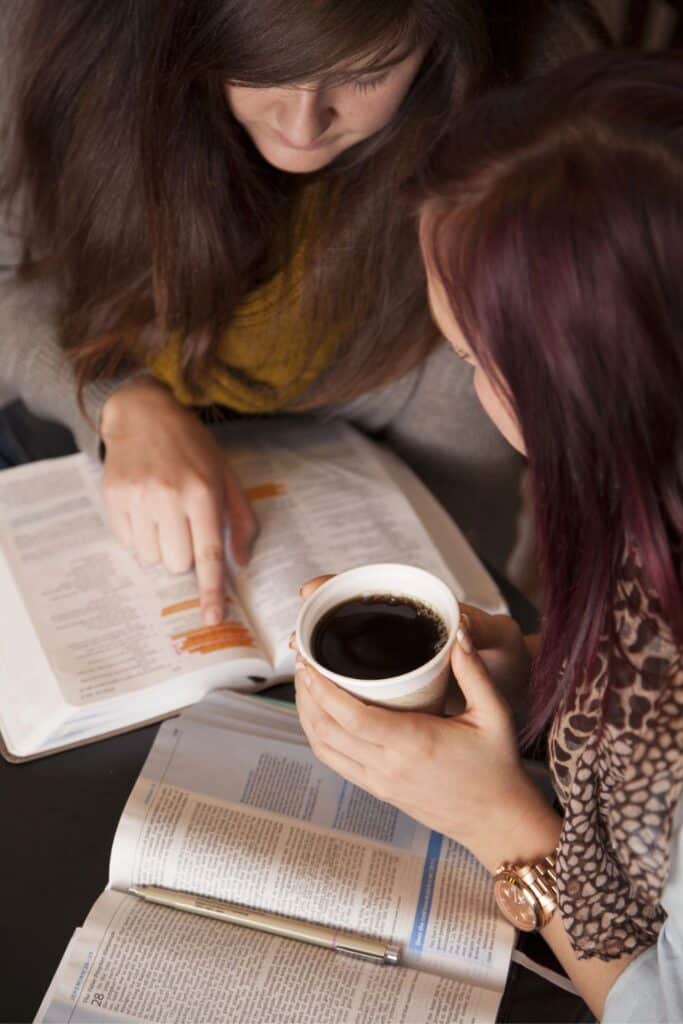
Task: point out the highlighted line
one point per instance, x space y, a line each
262 491
223 637
186 606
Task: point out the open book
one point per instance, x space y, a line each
93 644
232 804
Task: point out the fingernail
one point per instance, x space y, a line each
212 616
463 637
292 641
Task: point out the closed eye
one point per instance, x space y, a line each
366 84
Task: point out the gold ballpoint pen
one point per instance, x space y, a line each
289 928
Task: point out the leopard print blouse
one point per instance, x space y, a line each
617 763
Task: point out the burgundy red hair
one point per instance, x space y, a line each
555 223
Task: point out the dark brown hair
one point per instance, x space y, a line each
151 207
555 224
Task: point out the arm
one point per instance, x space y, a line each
403 758
34 367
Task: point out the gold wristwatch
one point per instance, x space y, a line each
526 894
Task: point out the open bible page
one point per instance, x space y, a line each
259 821
139 962
325 503
105 625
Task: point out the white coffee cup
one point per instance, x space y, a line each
423 689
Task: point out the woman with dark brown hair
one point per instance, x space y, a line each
207 198
553 239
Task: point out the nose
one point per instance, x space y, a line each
304 115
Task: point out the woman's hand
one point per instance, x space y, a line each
169 489
461 776
505 652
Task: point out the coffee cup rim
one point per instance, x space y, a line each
379 568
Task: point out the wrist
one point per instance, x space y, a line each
523 830
132 401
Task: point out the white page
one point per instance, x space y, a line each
118 644
244 817
139 962
325 503
106 626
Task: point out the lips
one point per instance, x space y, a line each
311 148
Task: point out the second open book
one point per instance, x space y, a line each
232 804
93 644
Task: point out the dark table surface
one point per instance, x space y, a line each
58 816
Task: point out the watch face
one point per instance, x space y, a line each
515 903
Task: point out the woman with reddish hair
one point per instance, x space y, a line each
552 234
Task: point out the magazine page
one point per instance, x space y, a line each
261 822
134 961
325 503
106 626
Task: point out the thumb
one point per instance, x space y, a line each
472 676
310 586
486 631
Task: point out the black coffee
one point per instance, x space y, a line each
377 637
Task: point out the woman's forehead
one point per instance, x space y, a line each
331 50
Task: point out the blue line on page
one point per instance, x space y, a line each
424 903
340 805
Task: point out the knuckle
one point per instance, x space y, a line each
161 491
139 497
210 554
353 721
199 491
211 596
324 730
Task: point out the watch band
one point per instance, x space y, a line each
527 893
541 879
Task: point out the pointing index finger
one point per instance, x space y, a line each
209 559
